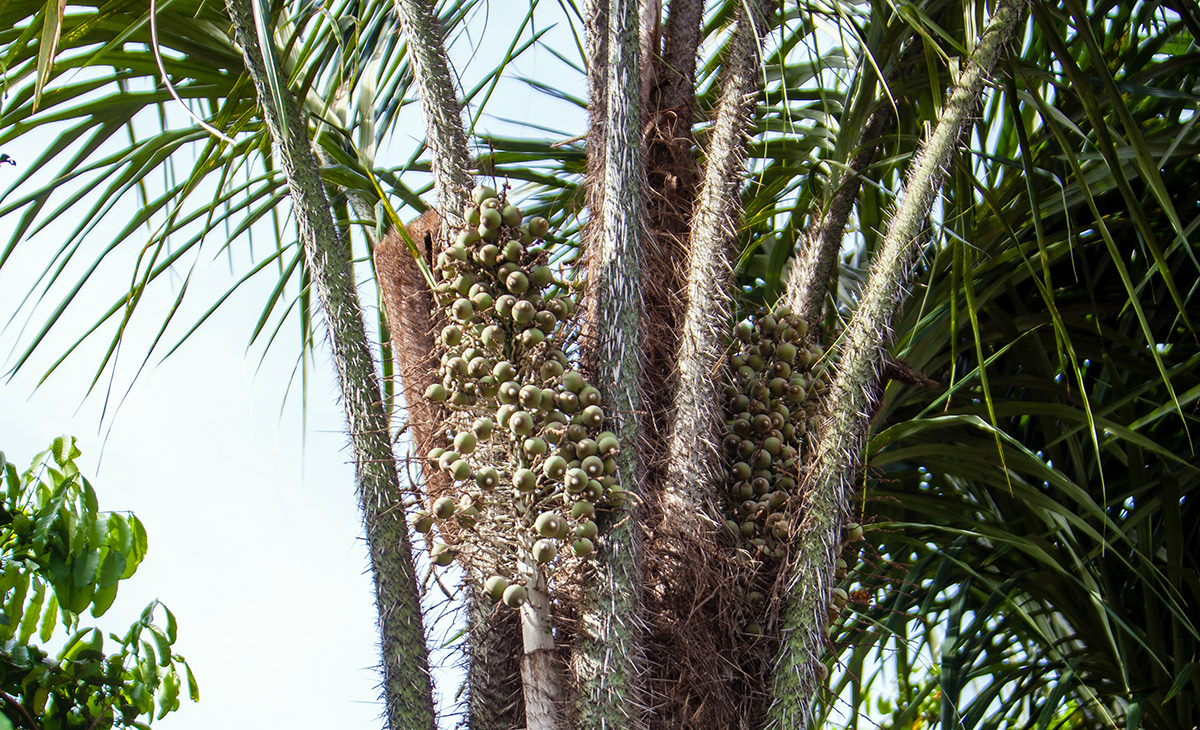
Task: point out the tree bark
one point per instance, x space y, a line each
671 175
856 388
406 683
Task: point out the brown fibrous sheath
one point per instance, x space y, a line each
410 314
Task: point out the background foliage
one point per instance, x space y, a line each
60 556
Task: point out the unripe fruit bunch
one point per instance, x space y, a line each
525 445
775 376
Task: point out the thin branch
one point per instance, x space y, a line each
15 703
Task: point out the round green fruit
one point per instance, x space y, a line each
494 587
548 524
554 467
608 445
465 442
576 480
541 275
422 522
593 465
442 554
532 337
481 193
451 335
539 227
523 311
573 381
589 396
512 216
489 219
583 547
593 416
520 423
483 427
487 478
545 550
854 532
524 480
517 283
504 371
461 470
514 596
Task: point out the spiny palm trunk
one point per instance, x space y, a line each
693 453
447 140
688 623
813 268
407 687
856 388
609 657
668 109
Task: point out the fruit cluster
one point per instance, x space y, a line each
775 374
525 445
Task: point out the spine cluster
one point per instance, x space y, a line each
526 453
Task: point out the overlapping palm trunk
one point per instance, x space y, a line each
693 457
406 683
668 109
494 699
608 658
816 259
688 625
856 388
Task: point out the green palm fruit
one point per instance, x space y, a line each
442 554
494 587
548 524
514 596
545 550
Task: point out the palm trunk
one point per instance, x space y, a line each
493 703
542 681
608 660
693 456
813 268
671 175
855 391
694 688
447 139
407 687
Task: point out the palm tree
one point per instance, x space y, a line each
1020 450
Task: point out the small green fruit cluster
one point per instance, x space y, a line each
527 451
774 378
